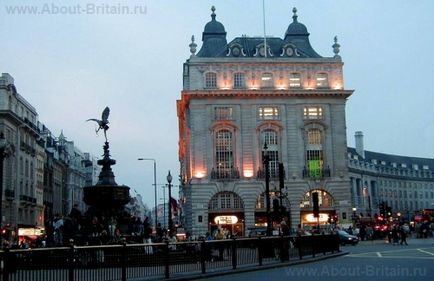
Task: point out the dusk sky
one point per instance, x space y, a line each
70 66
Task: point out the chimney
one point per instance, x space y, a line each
359 143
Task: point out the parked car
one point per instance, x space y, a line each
346 238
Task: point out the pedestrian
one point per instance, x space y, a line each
395 237
403 235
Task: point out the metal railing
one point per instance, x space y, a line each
157 260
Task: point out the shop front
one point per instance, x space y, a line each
28 236
232 223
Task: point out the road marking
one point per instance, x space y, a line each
426 252
392 257
379 254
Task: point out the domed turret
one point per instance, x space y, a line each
296 28
214 27
213 37
297 35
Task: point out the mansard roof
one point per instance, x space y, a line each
390 158
294 44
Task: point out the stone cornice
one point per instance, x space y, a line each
318 93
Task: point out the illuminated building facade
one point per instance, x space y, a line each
237 96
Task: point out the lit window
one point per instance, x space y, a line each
295 80
267 80
223 113
322 80
210 80
268 113
314 154
312 113
223 154
239 81
270 137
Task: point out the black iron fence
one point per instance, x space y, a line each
157 260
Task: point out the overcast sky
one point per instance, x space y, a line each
69 66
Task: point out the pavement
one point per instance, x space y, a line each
305 260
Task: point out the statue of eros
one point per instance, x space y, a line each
103 123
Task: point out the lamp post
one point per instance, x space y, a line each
169 180
266 161
155 185
4 152
354 215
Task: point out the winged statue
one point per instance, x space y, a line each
103 123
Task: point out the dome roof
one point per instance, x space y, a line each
214 27
296 28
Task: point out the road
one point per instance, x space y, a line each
367 261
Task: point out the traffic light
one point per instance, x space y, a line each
315 204
382 209
276 208
388 211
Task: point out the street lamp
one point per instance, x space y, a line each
266 161
169 180
155 185
4 153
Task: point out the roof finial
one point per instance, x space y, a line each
213 12
336 48
192 46
294 17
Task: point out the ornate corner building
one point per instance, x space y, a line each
237 96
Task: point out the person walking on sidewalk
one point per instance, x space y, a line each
403 235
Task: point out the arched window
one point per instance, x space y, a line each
210 80
314 154
224 162
322 80
270 137
225 200
294 80
267 80
325 200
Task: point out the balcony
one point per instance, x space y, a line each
225 174
316 173
260 174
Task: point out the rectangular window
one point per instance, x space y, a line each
295 80
268 113
267 80
314 163
322 80
239 81
273 163
224 156
210 80
312 113
223 113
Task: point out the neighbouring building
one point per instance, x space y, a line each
43 175
252 91
406 184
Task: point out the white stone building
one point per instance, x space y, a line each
240 95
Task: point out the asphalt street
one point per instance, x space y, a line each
370 260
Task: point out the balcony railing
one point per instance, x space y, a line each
316 173
225 174
260 174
